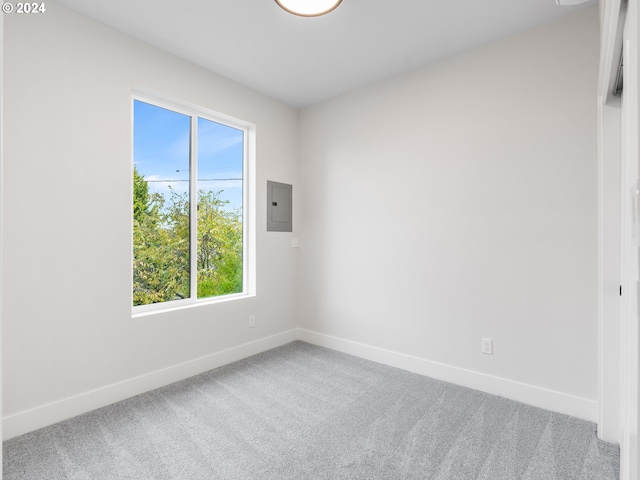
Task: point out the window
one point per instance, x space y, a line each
183 255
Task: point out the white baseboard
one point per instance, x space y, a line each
39 417
536 396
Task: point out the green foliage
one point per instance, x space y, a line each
219 247
161 253
140 196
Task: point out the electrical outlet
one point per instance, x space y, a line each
252 321
487 346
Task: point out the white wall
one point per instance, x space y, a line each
457 202
67 215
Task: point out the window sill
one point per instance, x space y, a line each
158 308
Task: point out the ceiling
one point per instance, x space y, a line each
301 61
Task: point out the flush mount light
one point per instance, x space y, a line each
308 8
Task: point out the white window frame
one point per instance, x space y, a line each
248 205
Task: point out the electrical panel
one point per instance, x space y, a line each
279 207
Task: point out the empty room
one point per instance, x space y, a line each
320 239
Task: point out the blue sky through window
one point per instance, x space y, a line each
161 150
220 154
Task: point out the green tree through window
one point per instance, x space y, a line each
163 223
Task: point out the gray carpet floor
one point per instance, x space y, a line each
304 412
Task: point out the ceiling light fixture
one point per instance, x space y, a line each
308 8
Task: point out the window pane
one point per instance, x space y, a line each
220 161
161 151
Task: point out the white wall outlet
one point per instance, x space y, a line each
252 321
487 346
